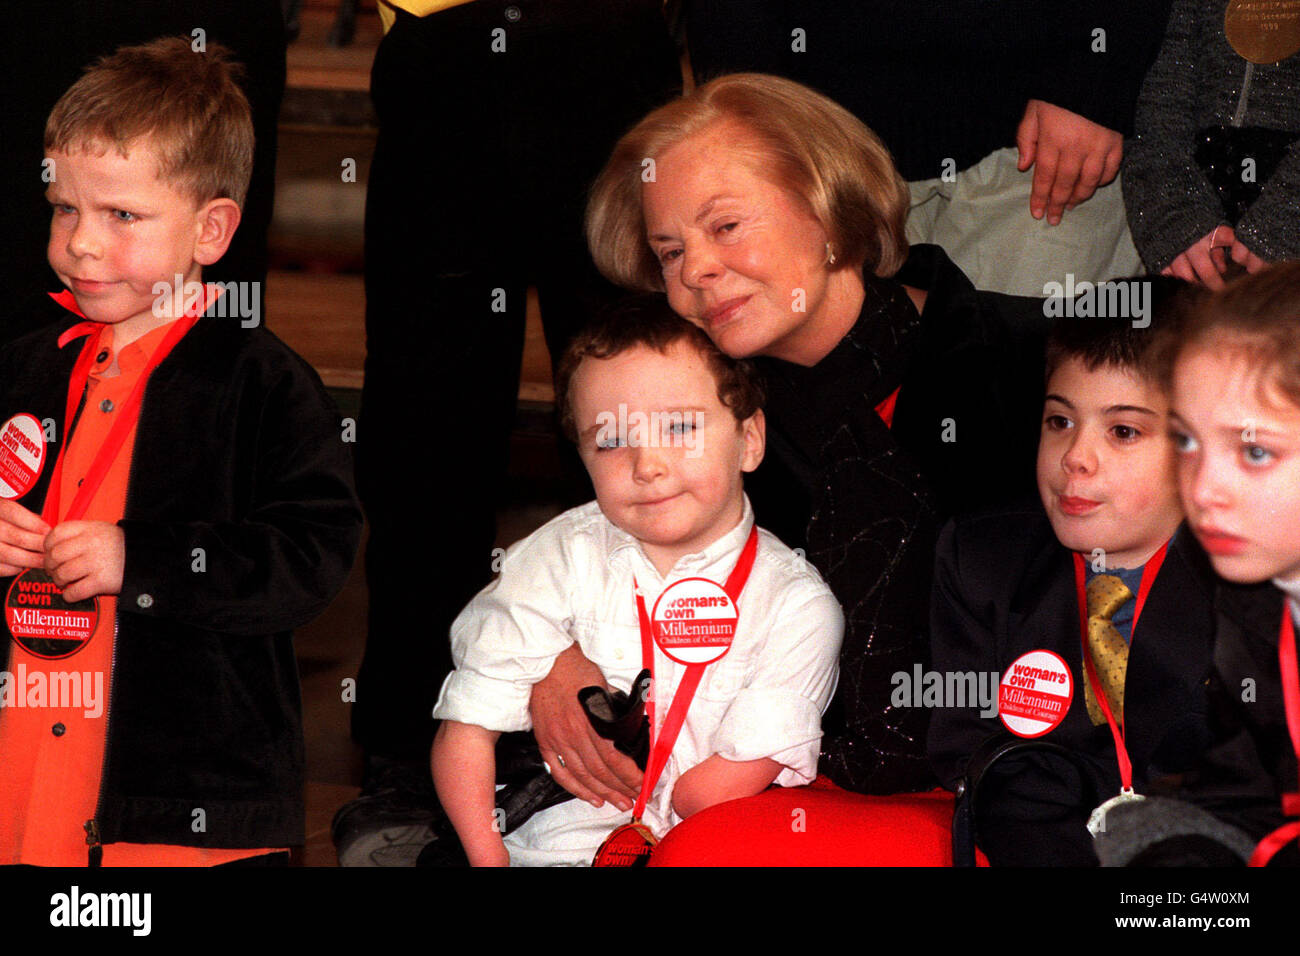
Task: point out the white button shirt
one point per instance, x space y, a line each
572 580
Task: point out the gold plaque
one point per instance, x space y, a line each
1263 31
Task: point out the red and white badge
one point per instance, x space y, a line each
694 621
22 455
42 622
1035 694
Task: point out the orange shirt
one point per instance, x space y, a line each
54 755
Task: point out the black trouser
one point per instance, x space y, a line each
477 191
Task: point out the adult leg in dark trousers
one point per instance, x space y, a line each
494 118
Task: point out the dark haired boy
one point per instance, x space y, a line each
666 426
1097 567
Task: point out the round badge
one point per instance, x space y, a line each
22 455
44 624
694 621
1035 694
1263 31
629 845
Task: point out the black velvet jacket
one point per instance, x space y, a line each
867 500
240 453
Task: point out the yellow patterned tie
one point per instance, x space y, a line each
1106 595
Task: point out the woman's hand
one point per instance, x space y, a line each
581 761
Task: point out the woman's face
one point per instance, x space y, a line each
742 258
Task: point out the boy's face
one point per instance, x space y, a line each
665 455
1106 464
116 230
1238 465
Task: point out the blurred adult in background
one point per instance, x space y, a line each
1006 116
494 117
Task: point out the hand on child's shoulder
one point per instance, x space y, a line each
86 558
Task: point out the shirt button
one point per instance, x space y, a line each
58 730
106 405
513 13
144 601
102 356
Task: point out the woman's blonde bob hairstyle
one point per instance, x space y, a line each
802 141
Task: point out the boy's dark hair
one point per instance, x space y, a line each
646 320
186 103
1257 316
1115 342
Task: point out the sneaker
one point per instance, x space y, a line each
392 820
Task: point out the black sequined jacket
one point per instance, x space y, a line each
1198 81
867 500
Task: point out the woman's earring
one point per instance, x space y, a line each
830 255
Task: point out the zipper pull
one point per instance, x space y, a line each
96 851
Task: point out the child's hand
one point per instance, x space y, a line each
22 539
86 558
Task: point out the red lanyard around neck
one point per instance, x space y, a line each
1286 658
662 743
1149 573
128 415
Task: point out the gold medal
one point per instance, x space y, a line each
628 845
1263 31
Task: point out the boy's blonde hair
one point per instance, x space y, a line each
185 104
804 142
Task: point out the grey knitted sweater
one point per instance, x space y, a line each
1197 81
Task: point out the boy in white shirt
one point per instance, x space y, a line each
666 426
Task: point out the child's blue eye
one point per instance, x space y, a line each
1256 455
607 444
1184 443
681 428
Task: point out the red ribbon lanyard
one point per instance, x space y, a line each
1286 657
1090 669
662 743
128 415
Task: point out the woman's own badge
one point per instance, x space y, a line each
42 622
1035 693
694 621
22 455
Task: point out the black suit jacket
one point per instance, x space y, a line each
1005 586
1242 778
